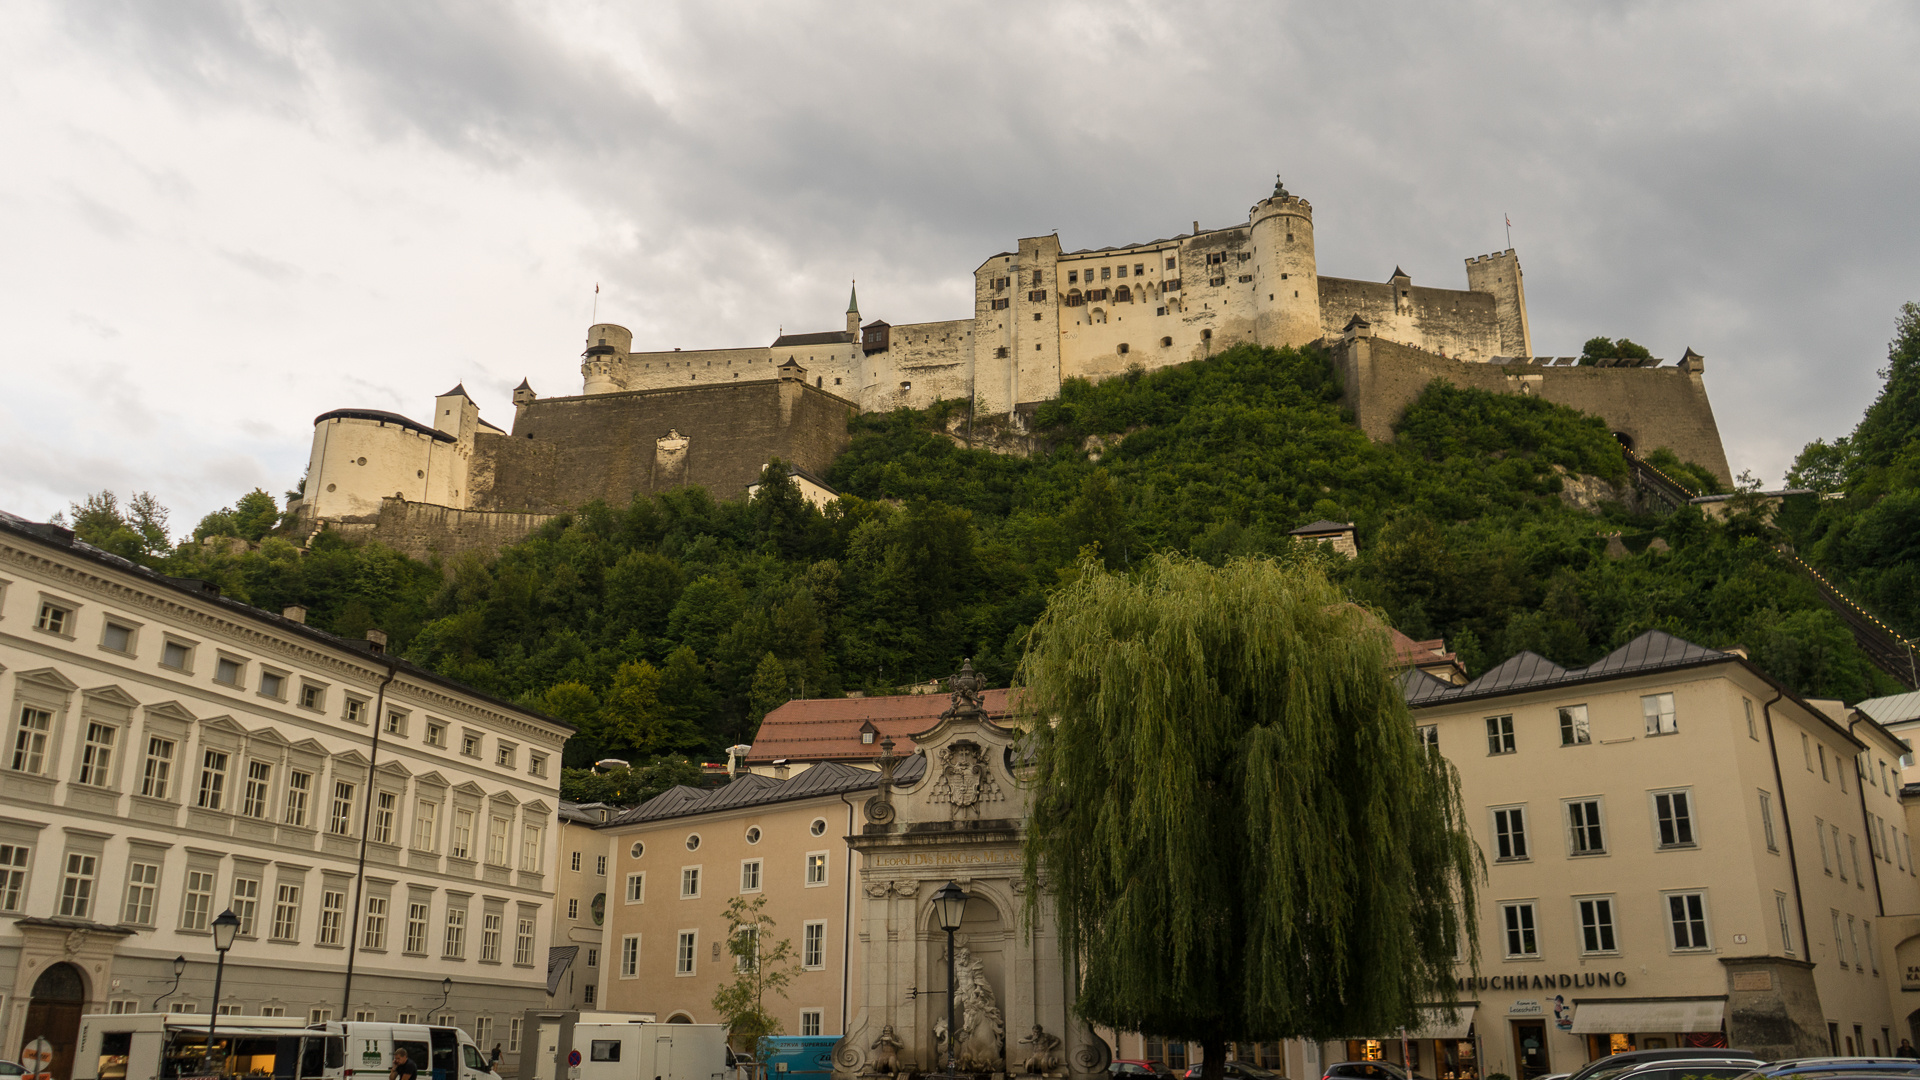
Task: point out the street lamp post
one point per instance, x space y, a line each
950 905
179 968
225 926
446 991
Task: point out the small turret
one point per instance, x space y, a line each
603 366
523 396
853 311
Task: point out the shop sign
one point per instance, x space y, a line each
1524 1008
1910 977
1577 980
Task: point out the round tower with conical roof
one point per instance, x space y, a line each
1287 303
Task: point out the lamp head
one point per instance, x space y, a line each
225 926
446 985
950 906
179 966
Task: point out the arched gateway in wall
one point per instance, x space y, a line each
53 1013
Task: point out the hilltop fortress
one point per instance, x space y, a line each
651 420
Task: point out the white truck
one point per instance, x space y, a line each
173 1046
579 1049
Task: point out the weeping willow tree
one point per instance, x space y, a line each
1234 819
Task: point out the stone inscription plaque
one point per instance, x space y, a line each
950 858
1753 980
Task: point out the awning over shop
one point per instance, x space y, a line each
1434 1025
1664 1014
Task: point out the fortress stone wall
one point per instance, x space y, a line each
655 419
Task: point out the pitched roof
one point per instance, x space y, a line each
753 789
1893 709
459 390
1322 526
1655 650
853 299
830 337
559 959
1424 654
384 417
828 729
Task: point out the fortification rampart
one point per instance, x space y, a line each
1451 322
1648 407
424 530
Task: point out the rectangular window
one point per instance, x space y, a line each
1596 924
750 875
213 780
1766 820
600 865
312 697
96 755
426 826
196 908
376 927
175 655
156 780
531 843
30 741
593 957
272 684
1836 852
1853 851
354 710
227 671
1573 726
143 883
1499 734
1429 737
689 882
396 723
630 956
1786 922
810 1022
76 886
1585 834
416 927
299 784
460 844
333 913
490 937
1839 943
117 637
1521 939
483 1029
1820 834
340 817
253 799
54 619
384 806
1873 958
536 764
1510 832
246 902
286 912
573 908
513 1034
1673 816
817 868
497 840
13 875
683 954
1687 915
1753 731
574 863
436 733
470 744
1658 709
503 756
523 941
454 946
636 888
813 945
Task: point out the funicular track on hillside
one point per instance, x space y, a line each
1888 651
1662 493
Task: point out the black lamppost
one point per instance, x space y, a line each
950 905
225 926
446 991
179 968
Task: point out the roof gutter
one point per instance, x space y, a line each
1866 822
1786 822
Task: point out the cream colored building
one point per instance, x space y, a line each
677 861
1679 851
579 907
170 754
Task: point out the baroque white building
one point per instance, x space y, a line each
171 754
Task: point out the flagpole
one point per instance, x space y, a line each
1509 236
596 300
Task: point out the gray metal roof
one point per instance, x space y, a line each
1655 650
1893 709
559 959
753 789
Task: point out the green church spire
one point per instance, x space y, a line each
853 300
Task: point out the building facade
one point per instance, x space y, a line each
1679 852
579 907
171 754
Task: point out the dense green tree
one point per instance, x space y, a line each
629 786
1601 348
1242 834
137 533
760 967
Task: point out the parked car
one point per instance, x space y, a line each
1848 1067
1689 1068
1600 1068
1139 1067
12 1068
1365 1070
1236 1070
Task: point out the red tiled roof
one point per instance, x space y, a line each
828 729
1425 655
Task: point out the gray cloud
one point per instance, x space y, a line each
1731 177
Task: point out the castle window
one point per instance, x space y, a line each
1036 316
1206 335
1001 304
836 382
1221 280
1036 277
1216 257
1096 294
1283 276
1170 285
1163 311
1123 348
1245 255
1169 264
1073 276
1001 352
1139 269
1244 278
1289 238
1074 299
1123 294
1037 295
906 386
1106 272
1166 342
1123 269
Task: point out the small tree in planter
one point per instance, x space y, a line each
760 968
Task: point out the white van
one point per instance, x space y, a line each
439 1053
173 1046
647 1051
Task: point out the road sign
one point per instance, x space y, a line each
37 1056
573 1057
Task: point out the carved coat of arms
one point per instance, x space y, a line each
965 780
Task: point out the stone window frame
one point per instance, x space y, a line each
221 735
170 723
478 739
378 889
686 956
318 689
759 875
1531 905
187 645
353 708
1570 832
391 778
110 707
273 671
395 724
505 753
242 663
473 805
825 864
526 916
630 955
1691 818
431 790
633 895
436 736
46 690
199 861
421 896
22 834
340 885
461 903
287 875
1613 923
87 844
1667 897
70 615
247 868
133 628
819 964
143 852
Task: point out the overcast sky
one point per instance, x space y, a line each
220 219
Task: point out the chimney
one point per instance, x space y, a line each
1196 228
377 642
780 769
295 613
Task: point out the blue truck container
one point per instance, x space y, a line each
803 1055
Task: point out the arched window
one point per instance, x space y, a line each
1074 299
1097 315
1123 295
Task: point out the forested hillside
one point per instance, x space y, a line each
672 624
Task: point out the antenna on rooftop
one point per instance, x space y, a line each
1509 218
